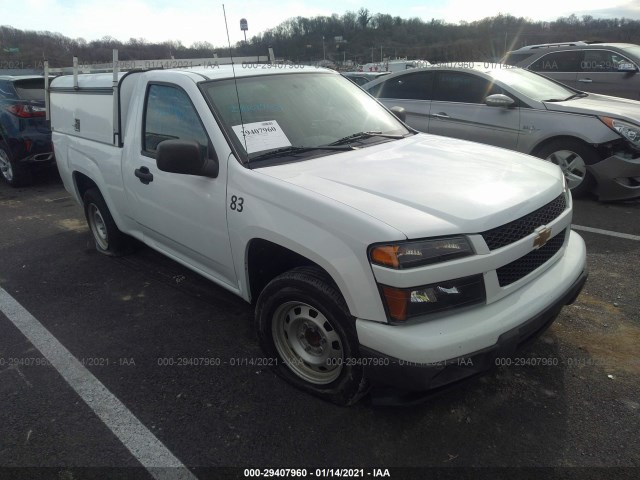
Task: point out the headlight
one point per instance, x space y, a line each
403 303
415 254
628 130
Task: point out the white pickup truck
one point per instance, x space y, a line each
374 255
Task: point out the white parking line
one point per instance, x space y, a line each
142 444
606 232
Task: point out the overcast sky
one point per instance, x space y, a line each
199 20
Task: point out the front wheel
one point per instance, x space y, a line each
573 157
304 324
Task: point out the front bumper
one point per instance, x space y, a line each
618 178
382 370
432 355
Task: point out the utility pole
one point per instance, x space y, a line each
324 55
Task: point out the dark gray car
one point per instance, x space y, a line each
605 68
594 139
360 78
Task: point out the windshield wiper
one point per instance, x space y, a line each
293 150
570 97
360 135
576 95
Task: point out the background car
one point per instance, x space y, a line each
605 68
594 139
360 78
25 134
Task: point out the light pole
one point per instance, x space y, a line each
324 56
244 26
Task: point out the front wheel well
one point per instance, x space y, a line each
540 146
266 260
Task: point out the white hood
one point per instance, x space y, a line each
428 185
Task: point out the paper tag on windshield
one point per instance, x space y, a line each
261 136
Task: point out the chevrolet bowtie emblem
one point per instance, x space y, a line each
542 238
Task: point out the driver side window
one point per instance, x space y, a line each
169 114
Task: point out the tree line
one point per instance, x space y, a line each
360 37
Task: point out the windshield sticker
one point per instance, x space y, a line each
260 136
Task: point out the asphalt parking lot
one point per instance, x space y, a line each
135 322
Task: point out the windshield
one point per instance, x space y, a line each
531 85
298 110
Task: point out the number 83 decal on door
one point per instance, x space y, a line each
237 203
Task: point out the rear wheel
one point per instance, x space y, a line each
573 157
303 323
14 174
109 240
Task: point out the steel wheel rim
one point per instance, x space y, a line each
5 166
307 342
572 165
98 227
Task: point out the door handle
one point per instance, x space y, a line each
585 80
440 115
144 175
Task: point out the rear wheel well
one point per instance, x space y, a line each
83 183
266 260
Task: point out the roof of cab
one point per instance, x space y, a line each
218 72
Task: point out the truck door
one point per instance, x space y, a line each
183 216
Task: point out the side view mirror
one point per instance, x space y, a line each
627 67
187 158
399 112
499 100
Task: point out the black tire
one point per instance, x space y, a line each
108 239
12 172
294 301
564 151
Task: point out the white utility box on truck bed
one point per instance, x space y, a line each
375 255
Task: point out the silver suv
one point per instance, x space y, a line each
605 68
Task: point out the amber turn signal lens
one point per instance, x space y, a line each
397 300
608 122
385 255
